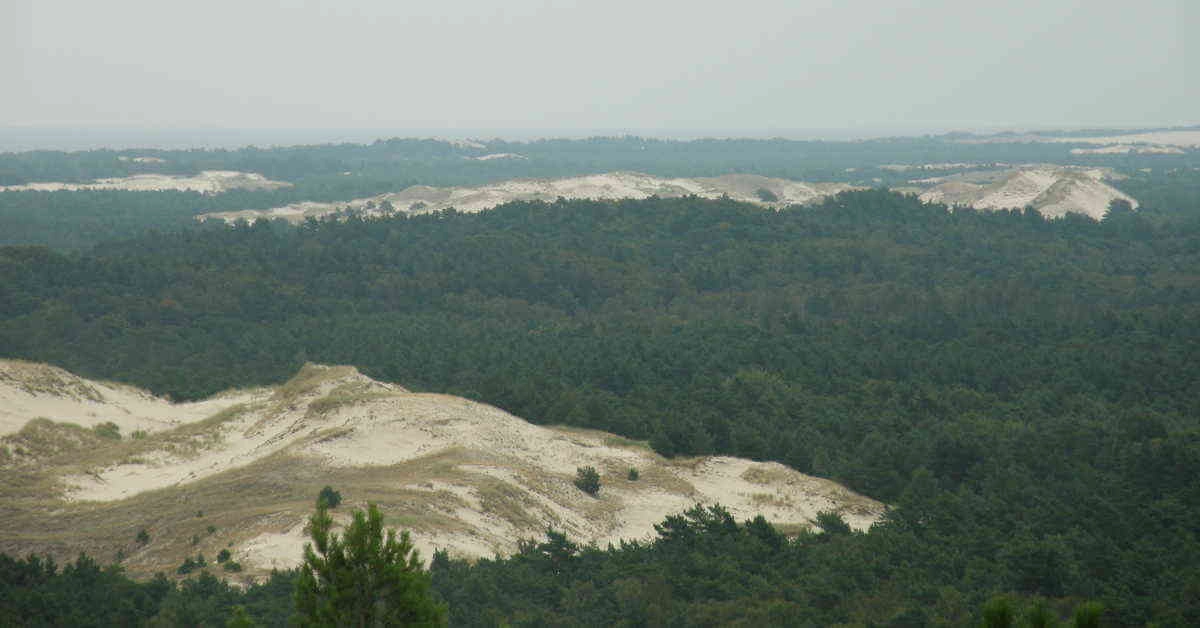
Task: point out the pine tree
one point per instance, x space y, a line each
364 578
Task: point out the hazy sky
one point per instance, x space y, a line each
613 64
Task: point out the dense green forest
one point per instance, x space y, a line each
1024 392
703 569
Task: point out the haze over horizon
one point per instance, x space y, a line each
348 71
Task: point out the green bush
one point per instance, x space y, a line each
587 479
633 474
189 565
143 537
222 556
329 498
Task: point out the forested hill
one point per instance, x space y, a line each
1026 391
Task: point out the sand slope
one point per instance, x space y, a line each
29 390
240 472
1052 190
610 186
207 182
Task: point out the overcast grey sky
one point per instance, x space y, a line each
616 65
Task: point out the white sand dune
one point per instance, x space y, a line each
207 182
476 477
1052 190
610 186
29 390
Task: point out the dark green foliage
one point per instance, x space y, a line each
366 577
232 566
830 522
203 600
143 537
999 613
702 569
1005 611
34 592
328 498
1087 615
239 618
191 564
633 474
223 556
1039 615
766 196
587 479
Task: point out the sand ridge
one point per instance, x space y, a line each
419 199
29 390
206 182
461 475
1052 190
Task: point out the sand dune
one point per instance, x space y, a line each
207 182
461 475
29 390
610 186
1052 190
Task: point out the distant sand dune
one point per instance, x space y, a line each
208 182
610 186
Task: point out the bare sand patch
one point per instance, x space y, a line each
609 186
1052 190
29 390
206 182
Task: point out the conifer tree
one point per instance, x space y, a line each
364 578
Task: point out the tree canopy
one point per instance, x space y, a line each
366 577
